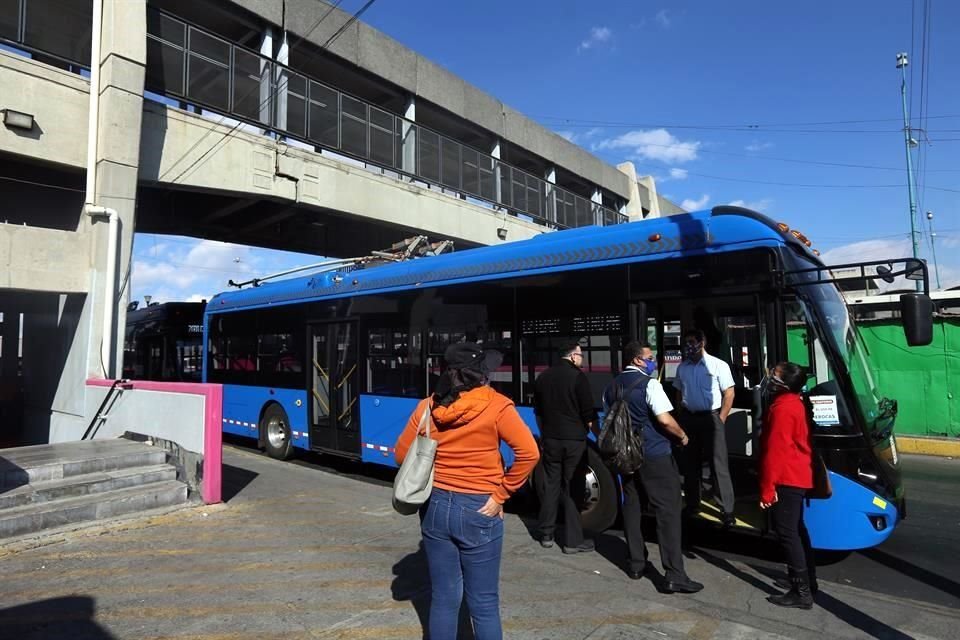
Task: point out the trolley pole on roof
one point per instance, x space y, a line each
909 142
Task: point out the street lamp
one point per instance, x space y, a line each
933 247
147 300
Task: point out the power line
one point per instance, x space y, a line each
59 187
753 128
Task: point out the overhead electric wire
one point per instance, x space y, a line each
216 146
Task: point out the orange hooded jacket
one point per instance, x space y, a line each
468 433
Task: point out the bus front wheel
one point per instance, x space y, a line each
275 433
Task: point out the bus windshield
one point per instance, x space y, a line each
842 334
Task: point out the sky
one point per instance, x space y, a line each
792 109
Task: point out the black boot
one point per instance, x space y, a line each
799 596
786 584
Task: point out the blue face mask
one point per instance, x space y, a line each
650 366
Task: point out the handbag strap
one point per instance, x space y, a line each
425 419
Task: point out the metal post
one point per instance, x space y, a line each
933 247
902 63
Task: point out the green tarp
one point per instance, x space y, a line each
925 381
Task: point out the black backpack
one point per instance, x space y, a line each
620 445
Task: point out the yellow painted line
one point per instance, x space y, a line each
945 447
212 568
258 585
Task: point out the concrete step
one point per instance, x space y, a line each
44 515
40 463
87 484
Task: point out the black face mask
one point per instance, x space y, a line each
690 351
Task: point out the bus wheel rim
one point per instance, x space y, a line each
276 433
591 491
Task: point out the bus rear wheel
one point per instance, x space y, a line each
275 433
594 492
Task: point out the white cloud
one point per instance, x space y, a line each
189 269
653 144
569 136
756 205
758 146
693 205
598 36
663 18
678 174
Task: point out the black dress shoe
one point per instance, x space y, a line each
546 542
684 585
639 575
728 520
583 547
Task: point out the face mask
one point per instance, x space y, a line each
691 351
650 366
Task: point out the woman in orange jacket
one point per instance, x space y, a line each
462 523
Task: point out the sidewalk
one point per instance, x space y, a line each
302 552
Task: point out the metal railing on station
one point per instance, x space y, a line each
191 65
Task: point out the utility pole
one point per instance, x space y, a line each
908 140
933 247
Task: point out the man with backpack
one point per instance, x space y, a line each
636 400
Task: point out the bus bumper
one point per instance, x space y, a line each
854 517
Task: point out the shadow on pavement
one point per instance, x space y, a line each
235 479
723 565
54 619
858 619
929 578
412 583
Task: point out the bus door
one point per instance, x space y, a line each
335 389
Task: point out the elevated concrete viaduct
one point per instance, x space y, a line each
238 121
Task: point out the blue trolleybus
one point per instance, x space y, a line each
335 361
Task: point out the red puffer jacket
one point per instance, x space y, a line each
785 453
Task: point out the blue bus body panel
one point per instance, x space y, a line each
842 521
385 417
243 405
679 236
382 420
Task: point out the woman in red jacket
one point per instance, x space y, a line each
786 473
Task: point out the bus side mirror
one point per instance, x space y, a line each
916 312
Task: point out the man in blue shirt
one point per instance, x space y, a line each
658 476
706 391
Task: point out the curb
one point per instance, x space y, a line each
944 447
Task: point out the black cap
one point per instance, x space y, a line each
470 355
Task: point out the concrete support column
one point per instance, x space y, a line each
597 198
550 176
266 79
634 205
283 57
650 185
408 137
497 171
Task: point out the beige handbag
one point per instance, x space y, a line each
414 481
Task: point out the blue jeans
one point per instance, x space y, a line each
463 549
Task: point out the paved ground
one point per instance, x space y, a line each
310 551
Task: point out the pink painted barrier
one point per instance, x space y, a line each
211 485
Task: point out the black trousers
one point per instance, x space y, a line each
708 441
560 459
659 479
787 516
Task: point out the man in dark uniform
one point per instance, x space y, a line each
658 477
563 404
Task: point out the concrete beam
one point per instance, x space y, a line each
35 259
180 149
58 102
